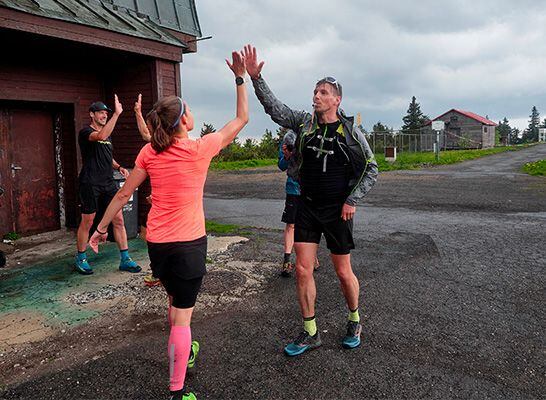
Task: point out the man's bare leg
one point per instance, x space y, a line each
307 292
348 280
82 236
350 288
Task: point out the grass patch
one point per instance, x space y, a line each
12 236
403 160
236 165
537 168
217 228
426 159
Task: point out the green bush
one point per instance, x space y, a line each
537 168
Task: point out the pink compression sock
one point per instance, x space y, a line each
179 352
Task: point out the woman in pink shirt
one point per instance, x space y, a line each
177 241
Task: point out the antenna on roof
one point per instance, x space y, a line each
198 40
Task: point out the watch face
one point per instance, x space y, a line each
239 80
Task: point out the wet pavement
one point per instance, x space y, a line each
452 298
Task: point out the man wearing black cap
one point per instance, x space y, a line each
335 169
96 182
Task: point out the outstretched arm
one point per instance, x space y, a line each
233 127
141 123
279 112
120 199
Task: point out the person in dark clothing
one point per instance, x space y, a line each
335 169
292 187
96 183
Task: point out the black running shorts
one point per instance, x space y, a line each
290 209
180 266
312 221
96 197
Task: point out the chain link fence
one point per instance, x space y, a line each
413 142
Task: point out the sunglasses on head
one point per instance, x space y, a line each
332 81
182 111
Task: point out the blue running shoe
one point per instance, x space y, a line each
193 353
352 338
302 343
83 267
128 265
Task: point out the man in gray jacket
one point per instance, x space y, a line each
336 168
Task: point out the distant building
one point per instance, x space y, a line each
464 130
542 134
58 57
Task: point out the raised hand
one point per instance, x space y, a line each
253 68
237 65
138 104
118 108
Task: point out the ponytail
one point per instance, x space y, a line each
161 140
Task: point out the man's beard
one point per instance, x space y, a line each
99 123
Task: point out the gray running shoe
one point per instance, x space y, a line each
352 338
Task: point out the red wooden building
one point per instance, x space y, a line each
58 57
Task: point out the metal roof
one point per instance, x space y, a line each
469 114
178 15
105 14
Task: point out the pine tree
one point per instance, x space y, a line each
531 133
515 136
379 127
207 128
414 118
504 131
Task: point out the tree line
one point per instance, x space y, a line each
266 147
414 120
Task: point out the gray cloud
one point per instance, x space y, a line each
484 56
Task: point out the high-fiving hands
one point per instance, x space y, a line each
138 105
118 108
237 64
253 68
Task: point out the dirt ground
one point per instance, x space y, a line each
33 343
452 272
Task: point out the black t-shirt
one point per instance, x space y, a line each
96 159
326 169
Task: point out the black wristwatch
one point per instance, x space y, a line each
239 81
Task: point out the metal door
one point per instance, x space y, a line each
30 171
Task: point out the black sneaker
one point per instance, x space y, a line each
303 343
352 338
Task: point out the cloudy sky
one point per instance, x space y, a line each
484 56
